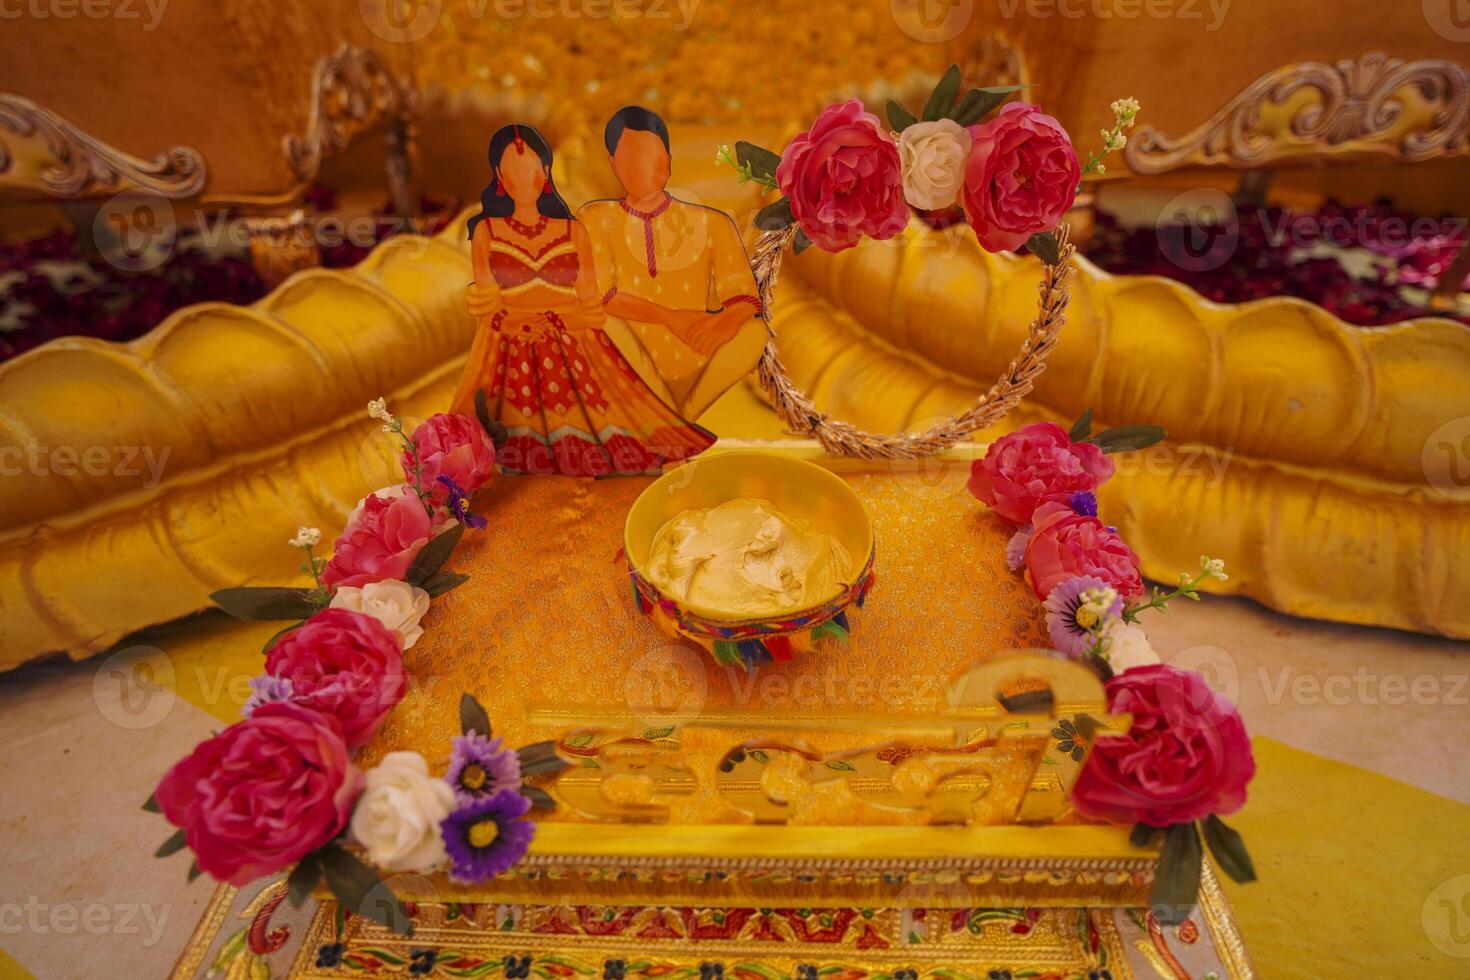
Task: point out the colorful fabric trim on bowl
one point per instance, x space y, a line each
752 642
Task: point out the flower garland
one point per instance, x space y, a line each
279 788
1187 759
1313 254
58 289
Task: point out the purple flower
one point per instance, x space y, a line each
1083 502
480 767
487 837
458 503
1070 621
1016 548
266 689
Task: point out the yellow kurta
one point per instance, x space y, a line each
681 256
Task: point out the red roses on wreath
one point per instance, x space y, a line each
848 177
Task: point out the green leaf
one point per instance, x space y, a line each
472 715
774 217
538 797
151 804
195 871
254 602
434 554
1044 246
1229 850
1128 438
653 734
1142 834
842 765
1082 428
359 888
899 118
441 582
978 102
761 161
800 243
941 100
303 879
1176 885
173 845
540 757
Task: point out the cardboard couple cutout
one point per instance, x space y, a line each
602 335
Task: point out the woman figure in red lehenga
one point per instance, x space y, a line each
569 400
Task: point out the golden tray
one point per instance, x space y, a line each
883 773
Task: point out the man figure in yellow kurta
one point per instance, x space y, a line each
675 272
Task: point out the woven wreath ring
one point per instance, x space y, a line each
844 439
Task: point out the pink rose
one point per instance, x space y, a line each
455 446
844 179
1065 544
1033 465
345 664
1187 755
263 793
1021 176
380 541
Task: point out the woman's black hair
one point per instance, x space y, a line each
493 205
636 118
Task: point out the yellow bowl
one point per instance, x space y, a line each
797 488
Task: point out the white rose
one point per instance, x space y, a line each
397 816
397 605
1128 647
933 156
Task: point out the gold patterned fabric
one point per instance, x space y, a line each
547 621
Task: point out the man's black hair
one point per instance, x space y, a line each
636 118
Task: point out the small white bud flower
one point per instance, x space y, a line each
378 409
306 537
1125 110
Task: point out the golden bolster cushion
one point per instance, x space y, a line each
1317 458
